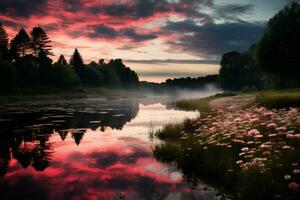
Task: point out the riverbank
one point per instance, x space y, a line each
50 94
236 101
249 144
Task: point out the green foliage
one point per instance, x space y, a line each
8 75
64 76
239 70
278 52
279 99
192 83
91 76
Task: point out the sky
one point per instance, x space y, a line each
159 39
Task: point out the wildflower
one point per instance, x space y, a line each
287 177
271 125
289 136
253 132
282 128
296 171
245 149
293 186
272 135
239 162
258 136
286 147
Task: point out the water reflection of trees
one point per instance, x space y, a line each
25 130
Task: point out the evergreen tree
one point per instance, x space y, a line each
20 45
40 41
77 63
3 42
61 60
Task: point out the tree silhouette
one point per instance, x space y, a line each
20 45
77 63
44 67
239 70
278 52
40 42
3 42
61 60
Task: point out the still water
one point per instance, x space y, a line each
89 149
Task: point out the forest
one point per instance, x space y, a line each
25 61
272 62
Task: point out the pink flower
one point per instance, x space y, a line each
293 186
281 128
245 149
289 136
271 125
287 177
296 171
253 132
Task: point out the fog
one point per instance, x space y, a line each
171 95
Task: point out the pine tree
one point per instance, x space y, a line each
3 42
61 60
77 62
20 45
40 41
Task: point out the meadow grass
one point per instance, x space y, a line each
279 98
254 152
201 104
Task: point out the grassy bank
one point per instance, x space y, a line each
201 104
252 152
279 98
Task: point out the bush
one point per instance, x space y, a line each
8 74
64 76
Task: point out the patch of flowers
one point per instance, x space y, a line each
265 139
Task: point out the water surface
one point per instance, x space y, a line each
89 149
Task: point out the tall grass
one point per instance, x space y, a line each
279 98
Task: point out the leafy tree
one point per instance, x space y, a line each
61 60
20 45
278 52
239 70
92 76
64 76
77 63
3 42
40 42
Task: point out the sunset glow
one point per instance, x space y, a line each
144 30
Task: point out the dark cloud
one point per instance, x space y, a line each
233 11
132 34
22 8
103 31
213 39
140 9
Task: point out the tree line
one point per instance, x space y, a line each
273 62
25 61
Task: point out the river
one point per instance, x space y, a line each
90 149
